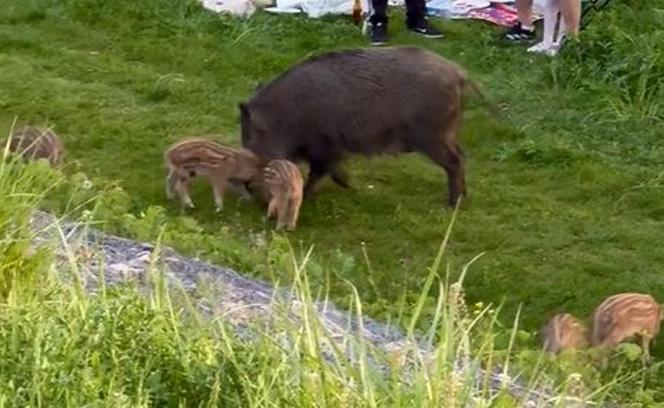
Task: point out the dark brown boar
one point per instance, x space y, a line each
363 101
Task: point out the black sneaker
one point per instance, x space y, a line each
378 34
424 29
518 34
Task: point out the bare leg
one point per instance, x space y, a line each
525 12
570 11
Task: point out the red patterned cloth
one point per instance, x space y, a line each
497 13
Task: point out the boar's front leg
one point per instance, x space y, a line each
317 170
339 176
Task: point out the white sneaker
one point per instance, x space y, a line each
550 49
539 47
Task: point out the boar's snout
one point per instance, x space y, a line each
252 140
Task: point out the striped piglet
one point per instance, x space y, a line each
32 143
222 165
280 184
623 316
564 331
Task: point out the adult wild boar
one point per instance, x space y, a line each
363 101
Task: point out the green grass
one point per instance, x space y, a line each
125 346
138 347
565 191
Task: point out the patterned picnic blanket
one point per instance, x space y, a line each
500 12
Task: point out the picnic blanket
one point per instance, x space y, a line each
318 8
499 12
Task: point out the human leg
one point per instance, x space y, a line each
551 12
416 20
570 11
378 21
523 30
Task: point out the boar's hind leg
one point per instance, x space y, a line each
339 176
452 160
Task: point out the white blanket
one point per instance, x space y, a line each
313 8
240 8
318 8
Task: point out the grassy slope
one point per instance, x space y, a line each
565 192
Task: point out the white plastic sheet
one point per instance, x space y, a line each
313 8
319 8
240 8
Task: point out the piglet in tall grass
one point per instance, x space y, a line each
623 316
32 143
564 332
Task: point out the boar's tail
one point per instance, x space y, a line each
477 90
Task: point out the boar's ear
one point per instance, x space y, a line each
244 109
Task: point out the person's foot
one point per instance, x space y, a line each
550 49
424 29
378 34
519 33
